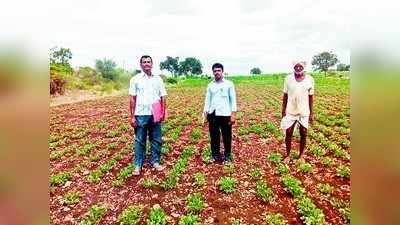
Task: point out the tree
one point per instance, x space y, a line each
107 69
255 70
60 69
342 67
59 57
323 61
171 64
191 66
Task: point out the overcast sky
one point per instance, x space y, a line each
240 34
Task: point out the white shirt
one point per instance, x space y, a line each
298 93
221 98
147 90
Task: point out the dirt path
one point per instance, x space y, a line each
80 96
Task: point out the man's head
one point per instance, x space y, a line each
218 70
146 63
298 67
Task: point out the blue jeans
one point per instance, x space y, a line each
146 125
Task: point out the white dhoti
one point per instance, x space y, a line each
288 120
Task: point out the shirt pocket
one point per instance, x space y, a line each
156 88
224 92
140 86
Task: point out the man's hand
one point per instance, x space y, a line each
133 122
311 118
164 109
204 118
233 119
163 117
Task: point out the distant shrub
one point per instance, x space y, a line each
171 80
58 79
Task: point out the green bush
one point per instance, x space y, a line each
229 168
206 155
59 75
96 212
305 167
60 178
195 203
343 171
325 188
71 198
149 183
199 179
195 135
131 216
317 151
311 215
282 169
275 157
293 186
275 219
171 80
189 220
264 192
107 87
157 216
227 184
326 161
255 173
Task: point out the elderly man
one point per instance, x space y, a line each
297 105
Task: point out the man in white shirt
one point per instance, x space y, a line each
220 108
297 105
145 90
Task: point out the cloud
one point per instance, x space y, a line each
253 5
172 7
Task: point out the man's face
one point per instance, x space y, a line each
146 64
217 73
298 68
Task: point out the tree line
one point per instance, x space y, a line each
106 70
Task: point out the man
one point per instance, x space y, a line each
145 90
220 108
297 106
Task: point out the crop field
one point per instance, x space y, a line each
91 154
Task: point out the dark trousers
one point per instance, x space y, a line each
216 126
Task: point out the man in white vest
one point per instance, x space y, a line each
297 106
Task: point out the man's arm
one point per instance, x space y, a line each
132 108
232 96
284 104
164 107
311 104
285 97
207 101
311 101
163 99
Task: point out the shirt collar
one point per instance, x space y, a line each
145 75
222 80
